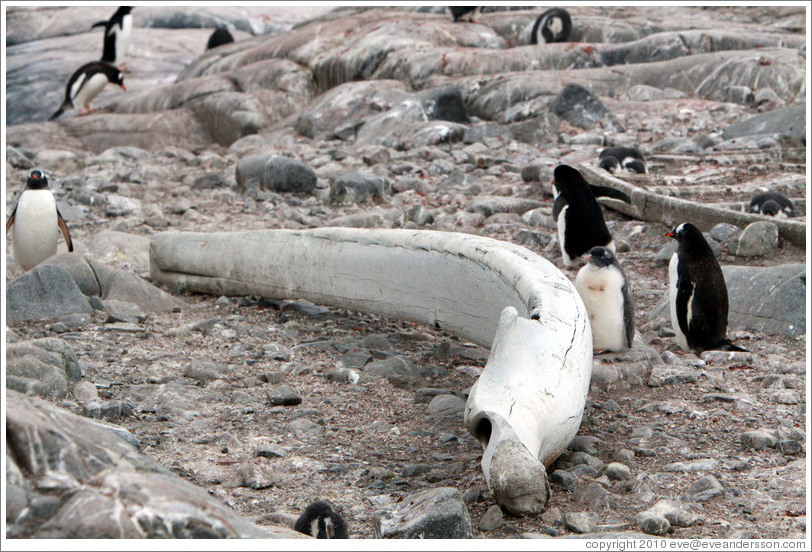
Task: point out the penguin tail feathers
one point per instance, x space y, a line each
59 112
727 345
98 24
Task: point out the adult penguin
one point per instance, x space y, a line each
36 223
319 520
621 157
607 296
772 204
86 83
554 25
578 216
458 12
697 293
118 32
218 37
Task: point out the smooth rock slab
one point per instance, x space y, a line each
43 367
44 292
580 522
434 514
582 108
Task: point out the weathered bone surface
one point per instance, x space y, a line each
526 406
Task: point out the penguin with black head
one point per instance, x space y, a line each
118 32
218 37
697 293
579 218
464 13
607 296
319 520
554 25
86 83
772 204
621 157
36 223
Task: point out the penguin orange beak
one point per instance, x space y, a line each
122 86
671 234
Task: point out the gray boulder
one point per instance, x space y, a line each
43 367
358 187
279 174
397 370
99 486
756 240
786 121
45 291
434 514
583 109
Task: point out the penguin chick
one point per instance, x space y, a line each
630 159
772 204
36 223
697 291
319 520
553 25
86 83
603 288
218 37
609 164
117 35
578 216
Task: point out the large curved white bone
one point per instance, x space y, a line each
526 406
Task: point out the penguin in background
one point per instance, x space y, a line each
458 12
319 520
554 25
697 293
772 204
36 223
218 37
579 218
620 157
85 84
607 296
118 32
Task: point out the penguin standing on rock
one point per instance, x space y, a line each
619 157
554 25
697 293
86 83
578 216
607 296
36 223
319 520
118 32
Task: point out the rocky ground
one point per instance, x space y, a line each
251 399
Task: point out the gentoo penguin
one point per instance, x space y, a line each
36 222
86 83
321 521
620 157
458 12
118 31
697 293
773 204
607 296
578 216
220 36
554 25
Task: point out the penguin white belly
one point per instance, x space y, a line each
124 37
600 290
562 225
35 230
85 94
682 341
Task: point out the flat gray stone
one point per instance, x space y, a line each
675 512
787 121
358 187
397 370
758 440
704 489
433 514
279 174
583 109
580 522
283 395
618 472
492 519
44 367
447 406
44 292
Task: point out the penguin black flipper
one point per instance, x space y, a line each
10 221
63 228
60 111
606 191
98 24
628 314
558 206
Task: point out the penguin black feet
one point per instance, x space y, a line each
319 520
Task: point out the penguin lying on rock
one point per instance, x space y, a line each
118 32
697 293
86 83
607 296
319 520
622 158
772 204
579 217
36 223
